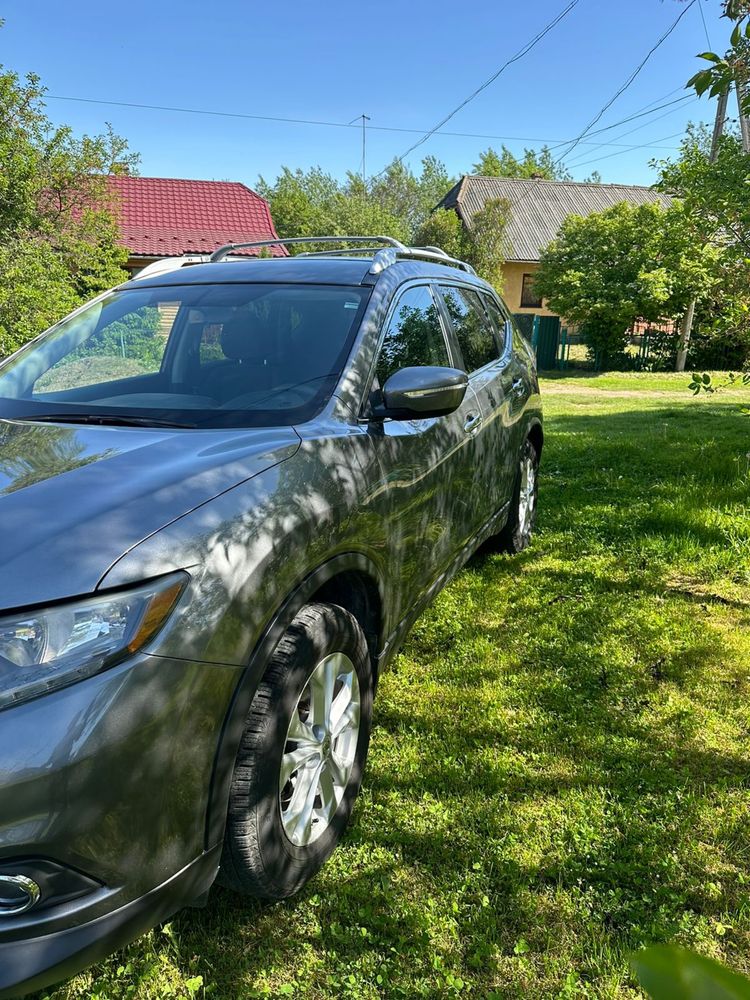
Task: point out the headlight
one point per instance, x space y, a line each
50 648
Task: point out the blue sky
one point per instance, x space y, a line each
404 64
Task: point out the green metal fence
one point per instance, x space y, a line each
544 334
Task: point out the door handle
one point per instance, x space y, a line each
472 422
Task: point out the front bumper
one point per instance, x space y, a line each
109 778
33 964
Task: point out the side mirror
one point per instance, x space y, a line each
414 393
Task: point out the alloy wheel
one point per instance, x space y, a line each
320 750
527 495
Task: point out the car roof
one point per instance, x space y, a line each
299 270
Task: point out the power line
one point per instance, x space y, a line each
200 111
524 50
600 114
620 152
578 140
705 26
624 135
686 98
328 124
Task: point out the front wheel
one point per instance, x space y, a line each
516 535
300 762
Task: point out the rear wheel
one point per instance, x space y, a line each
516 535
300 762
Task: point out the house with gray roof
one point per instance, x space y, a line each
537 210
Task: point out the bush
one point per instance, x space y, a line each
59 241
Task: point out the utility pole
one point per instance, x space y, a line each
686 327
721 117
741 88
364 119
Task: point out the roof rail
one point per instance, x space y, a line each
222 252
382 256
387 256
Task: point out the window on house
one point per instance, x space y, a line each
529 297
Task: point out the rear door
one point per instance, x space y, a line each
484 357
431 495
517 372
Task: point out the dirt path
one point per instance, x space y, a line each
553 389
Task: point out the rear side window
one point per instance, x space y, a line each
501 324
473 332
414 335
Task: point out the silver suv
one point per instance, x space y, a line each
226 493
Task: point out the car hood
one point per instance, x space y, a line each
74 499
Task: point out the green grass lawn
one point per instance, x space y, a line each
560 768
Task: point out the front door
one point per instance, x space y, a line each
430 497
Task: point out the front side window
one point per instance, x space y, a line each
194 355
413 337
473 332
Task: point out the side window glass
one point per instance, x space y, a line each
473 332
414 336
501 324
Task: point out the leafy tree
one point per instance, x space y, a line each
482 245
533 163
444 229
717 194
58 234
734 66
486 240
301 201
396 203
409 196
716 198
35 290
628 262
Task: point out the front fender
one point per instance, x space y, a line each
278 623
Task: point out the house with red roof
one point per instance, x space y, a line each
163 217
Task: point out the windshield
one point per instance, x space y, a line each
230 355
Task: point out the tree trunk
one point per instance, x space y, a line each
686 328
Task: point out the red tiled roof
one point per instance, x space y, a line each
162 217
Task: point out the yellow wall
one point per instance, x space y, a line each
513 273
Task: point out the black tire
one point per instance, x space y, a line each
516 536
259 858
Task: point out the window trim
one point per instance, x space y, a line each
398 292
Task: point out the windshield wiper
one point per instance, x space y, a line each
105 420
